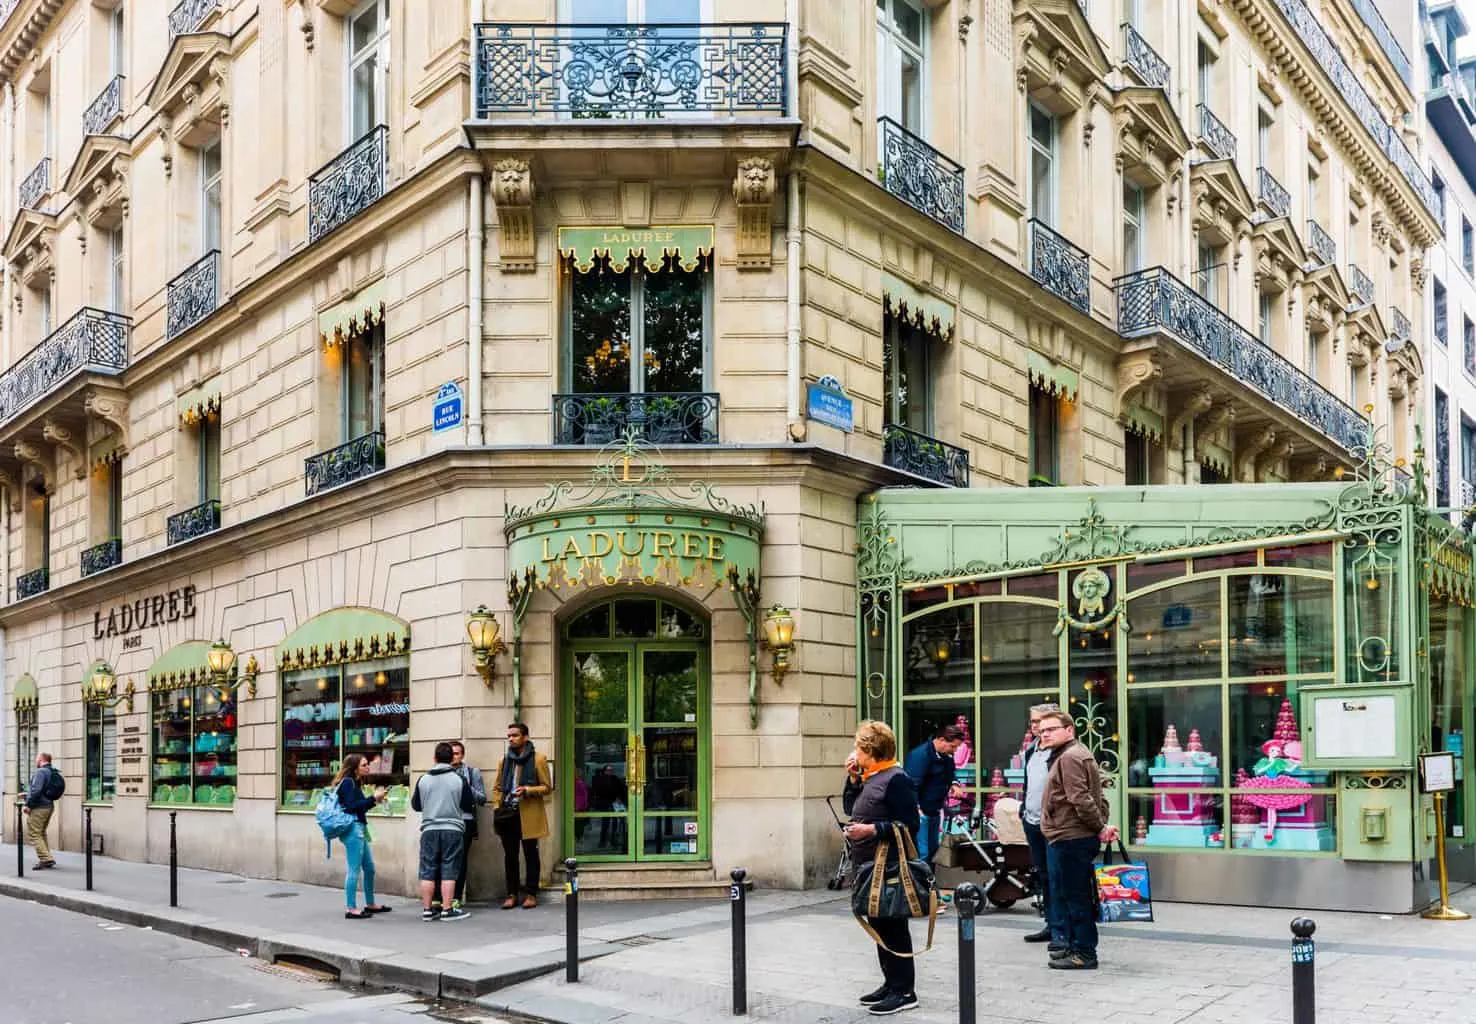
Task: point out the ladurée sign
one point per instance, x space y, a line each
154 610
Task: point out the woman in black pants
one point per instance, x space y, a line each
879 794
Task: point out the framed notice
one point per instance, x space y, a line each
1356 727
1437 772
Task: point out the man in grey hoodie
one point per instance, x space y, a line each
442 797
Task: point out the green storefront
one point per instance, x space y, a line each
1257 669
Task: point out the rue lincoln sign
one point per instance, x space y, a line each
144 613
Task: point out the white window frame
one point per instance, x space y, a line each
377 49
45 299
117 53
209 181
891 47
1314 353
1052 153
1265 310
1205 271
1205 61
1265 125
117 286
1132 216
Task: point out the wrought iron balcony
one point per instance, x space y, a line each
1143 60
193 522
193 295
598 419
348 184
103 111
360 457
1154 301
1320 245
624 71
1326 53
1369 12
1272 195
1062 268
189 15
35 185
29 584
102 556
92 341
926 456
1218 138
1360 285
920 176
1399 324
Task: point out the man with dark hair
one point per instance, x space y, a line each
441 797
518 815
930 766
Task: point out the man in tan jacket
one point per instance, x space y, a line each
518 815
1073 819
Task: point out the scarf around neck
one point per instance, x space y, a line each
510 768
880 766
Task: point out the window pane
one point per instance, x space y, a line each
673 331
1447 701
909 21
635 620
365 95
311 734
1175 740
1280 625
1372 582
669 686
1176 633
376 723
214 746
1018 648
210 459
671 12
910 77
599 332
593 623
602 687
102 736
171 760
938 652
1043 409
363 354
596 12
365 27
1303 821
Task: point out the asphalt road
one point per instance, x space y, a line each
57 967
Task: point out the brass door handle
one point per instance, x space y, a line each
630 765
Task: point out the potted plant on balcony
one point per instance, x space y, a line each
601 416
664 421
932 460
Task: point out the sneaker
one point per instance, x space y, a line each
1075 962
429 914
455 914
876 996
436 906
1044 935
1058 952
895 1002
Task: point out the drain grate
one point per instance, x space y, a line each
293 971
280 895
639 940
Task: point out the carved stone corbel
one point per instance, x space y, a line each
754 189
1136 373
512 194
1259 442
63 439
166 144
111 408
1276 454
13 489
220 71
31 456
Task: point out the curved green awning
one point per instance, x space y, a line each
182 665
343 635
25 695
1050 376
930 315
585 248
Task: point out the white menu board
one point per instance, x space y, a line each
1356 728
1437 772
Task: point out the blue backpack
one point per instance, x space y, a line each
333 820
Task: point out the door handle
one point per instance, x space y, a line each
631 782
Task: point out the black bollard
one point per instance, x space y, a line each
571 920
20 842
966 900
1304 967
87 839
173 861
738 896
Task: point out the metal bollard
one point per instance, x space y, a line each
173 861
1304 967
87 840
571 920
20 841
738 896
966 900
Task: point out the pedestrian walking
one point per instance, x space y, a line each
879 794
46 788
518 814
473 778
1073 819
1037 762
442 797
352 775
930 766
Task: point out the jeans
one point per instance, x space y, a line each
1037 840
38 820
930 834
899 972
1074 891
466 842
511 835
360 863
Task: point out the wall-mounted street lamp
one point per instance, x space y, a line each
221 661
101 685
779 637
486 643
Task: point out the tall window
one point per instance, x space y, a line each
1264 123
1045 438
363 383
363 708
117 301
102 740
1206 75
1355 385
906 375
638 332
1206 271
1441 313
43 297
1468 456
208 457
368 32
1468 248
210 179
1314 356
900 49
116 55
194 757
1132 227
1468 343
27 746
1042 166
1442 450
1438 184
1137 459
46 126
1264 307
1314 188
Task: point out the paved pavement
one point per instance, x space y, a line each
649 962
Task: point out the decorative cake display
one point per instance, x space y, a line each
1287 819
1181 816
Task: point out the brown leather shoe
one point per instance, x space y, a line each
529 903
510 902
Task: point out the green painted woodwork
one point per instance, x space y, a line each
648 247
1357 695
182 665
343 635
1389 794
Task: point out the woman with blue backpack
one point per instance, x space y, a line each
352 801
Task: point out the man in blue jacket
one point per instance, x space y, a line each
930 766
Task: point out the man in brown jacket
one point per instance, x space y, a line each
1074 820
518 815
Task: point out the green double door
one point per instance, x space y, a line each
636 734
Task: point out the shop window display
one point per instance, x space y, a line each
194 760
938 656
1371 591
327 713
1447 702
101 765
27 746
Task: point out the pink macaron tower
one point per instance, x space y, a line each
1182 814
1291 819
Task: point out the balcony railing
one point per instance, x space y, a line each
598 419
29 584
1399 324
1369 12
348 184
1155 301
1062 268
348 462
107 108
92 340
193 522
189 15
102 556
1360 285
1320 245
626 71
1143 60
1272 195
926 456
1345 81
1219 139
193 295
1468 493
36 185
920 176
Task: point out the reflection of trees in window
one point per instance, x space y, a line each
905 374
637 332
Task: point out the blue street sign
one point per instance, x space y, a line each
446 414
828 404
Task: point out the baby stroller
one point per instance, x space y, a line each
843 869
996 848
